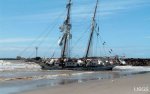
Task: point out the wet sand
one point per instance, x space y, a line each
136 84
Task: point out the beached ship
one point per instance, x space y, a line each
85 63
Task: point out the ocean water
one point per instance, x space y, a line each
14 81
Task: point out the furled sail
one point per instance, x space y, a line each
61 39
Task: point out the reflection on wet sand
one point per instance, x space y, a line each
34 80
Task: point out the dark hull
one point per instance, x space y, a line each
45 66
89 68
99 68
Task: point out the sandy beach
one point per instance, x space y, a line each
136 84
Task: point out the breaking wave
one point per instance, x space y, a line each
133 68
39 77
18 65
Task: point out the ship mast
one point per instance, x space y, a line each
65 39
91 33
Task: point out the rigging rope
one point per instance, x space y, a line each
41 35
81 37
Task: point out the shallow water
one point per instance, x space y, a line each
17 81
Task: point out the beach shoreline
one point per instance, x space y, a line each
136 84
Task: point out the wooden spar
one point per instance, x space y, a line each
67 27
92 31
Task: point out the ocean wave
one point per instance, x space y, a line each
54 76
34 77
9 66
81 73
133 68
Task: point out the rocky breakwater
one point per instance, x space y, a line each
138 61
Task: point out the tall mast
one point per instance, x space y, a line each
65 28
92 31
